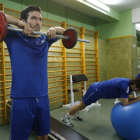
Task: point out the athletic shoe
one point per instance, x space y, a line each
77 117
67 121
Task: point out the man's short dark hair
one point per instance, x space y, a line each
135 81
25 11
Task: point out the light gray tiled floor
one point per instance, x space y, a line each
96 124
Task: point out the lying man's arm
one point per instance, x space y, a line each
129 100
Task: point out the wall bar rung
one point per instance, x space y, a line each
12 9
91 77
56 71
55 66
89 85
55 51
47 25
74 52
92 69
55 81
90 50
8 80
7 67
57 101
56 91
90 31
75 74
91 80
56 96
55 61
76 48
7 60
51 20
90 61
57 46
56 76
73 26
73 56
56 86
74 83
90 53
6 54
78 95
76 87
91 57
8 87
89 34
91 72
9 74
55 56
75 70
73 61
9 100
91 65
74 65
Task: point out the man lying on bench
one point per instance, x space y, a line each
60 131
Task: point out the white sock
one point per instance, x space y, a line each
76 114
68 115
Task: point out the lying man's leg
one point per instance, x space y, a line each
75 110
42 137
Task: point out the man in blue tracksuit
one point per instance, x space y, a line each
110 89
29 92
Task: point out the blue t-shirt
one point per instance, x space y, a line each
138 75
114 88
29 64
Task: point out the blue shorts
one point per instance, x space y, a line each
29 114
91 96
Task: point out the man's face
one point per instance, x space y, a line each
134 88
34 20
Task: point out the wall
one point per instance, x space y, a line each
120 54
102 52
138 59
134 57
124 27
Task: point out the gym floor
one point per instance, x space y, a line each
96 124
